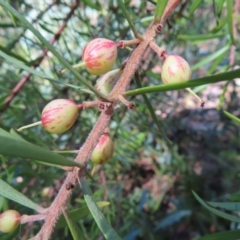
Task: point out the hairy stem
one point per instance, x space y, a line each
64 193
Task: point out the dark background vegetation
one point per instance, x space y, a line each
148 185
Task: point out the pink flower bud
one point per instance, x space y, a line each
103 150
175 69
99 55
9 221
59 115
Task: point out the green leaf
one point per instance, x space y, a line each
228 235
219 6
151 110
128 17
39 74
79 213
9 192
231 206
91 4
50 47
201 37
160 7
74 229
107 230
230 19
192 83
235 119
235 197
220 24
194 6
216 63
15 134
14 55
15 147
222 96
211 57
215 211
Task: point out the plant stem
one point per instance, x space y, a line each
81 64
157 49
102 123
125 43
30 125
32 218
194 94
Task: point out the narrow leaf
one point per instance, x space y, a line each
192 83
194 6
107 230
234 118
9 53
201 37
228 235
230 19
231 206
20 65
15 147
128 17
151 110
78 214
74 229
219 4
215 211
222 96
220 25
160 7
211 57
9 192
216 63
50 47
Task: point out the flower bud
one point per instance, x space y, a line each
175 69
99 55
103 150
59 115
107 81
9 221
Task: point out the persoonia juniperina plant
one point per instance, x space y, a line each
99 58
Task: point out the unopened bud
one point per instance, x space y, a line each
103 150
9 221
99 55
175 69
59 115
106 82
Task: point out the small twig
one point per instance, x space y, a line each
160 51
125 43
172 4
32 218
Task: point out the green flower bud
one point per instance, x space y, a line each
103 150
175 69
107 81
59 115
9 221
